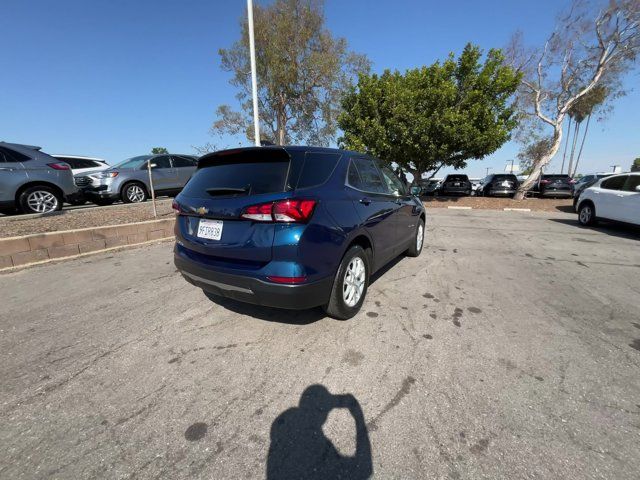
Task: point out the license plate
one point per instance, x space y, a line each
505 184
210 229
456 184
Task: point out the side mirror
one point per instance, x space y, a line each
153 165
415 191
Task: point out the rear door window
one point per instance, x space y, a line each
614 183
317 169
11 156
366 176
241 175
180 161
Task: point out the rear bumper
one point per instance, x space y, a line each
463 190
502 191
557 193
253 290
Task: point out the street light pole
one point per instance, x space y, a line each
488 168
254 78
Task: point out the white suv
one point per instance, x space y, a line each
613 198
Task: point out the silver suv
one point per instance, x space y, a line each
129 180
32 181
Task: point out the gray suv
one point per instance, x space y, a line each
129 180
32 181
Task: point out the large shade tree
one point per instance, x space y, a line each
431 117
594 44
302 72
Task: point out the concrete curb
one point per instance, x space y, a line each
41 247
516 209
459 208
82 255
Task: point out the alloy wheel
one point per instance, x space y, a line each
585 215
419 237
135 193
42 201
353 283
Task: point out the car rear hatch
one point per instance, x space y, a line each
504 183
457 181
212 202
556 182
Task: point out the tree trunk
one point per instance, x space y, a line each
584 136
566 144
540 164
576 134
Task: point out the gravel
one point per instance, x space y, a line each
71 219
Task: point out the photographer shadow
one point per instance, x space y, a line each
299 448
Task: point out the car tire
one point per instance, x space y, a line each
353 272
418 240
40 199
134 192
587 214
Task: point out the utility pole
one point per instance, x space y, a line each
488 168
254 78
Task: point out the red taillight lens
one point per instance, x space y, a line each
290 280
260 213
175 207
544 182
59 166
293 210
572 181
285 211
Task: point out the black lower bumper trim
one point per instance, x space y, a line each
255 291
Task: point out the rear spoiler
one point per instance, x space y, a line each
244 155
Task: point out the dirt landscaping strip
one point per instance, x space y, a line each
17 225
495 203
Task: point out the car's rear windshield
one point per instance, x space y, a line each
556 177
243 173
457 178
512 178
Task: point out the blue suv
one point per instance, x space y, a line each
293 227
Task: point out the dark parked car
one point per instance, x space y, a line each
498 184
455 184
584 183
293 227
554 185
428 187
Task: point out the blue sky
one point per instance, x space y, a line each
113 78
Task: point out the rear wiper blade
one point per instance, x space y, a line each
227 190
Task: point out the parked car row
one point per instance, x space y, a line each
32 181
497 185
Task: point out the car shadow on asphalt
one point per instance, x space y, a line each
300 449
566 208
630 232
270 314
293 317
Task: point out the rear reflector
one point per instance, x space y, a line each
59 166
289 280
283 211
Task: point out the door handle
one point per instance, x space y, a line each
8 169
365 201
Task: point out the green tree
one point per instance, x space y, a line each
158 150
636 165
302 71
532 153
432 117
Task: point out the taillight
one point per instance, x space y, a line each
289 280
282 211
59 166
175 206
572 181
544 182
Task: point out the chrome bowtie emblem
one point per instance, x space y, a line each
202 210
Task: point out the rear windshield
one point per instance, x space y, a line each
457 178
239 175
511 178
556 177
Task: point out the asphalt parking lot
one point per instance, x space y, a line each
509 349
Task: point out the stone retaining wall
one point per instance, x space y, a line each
19 251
